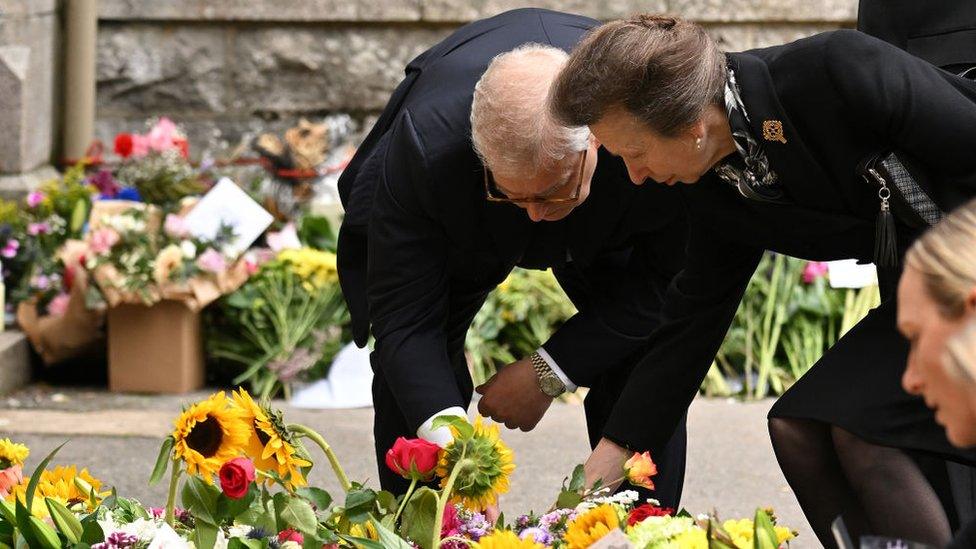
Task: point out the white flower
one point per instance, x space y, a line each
167 538
239 531
144 529
623 499
290 545
189 249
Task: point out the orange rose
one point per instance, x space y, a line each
639 470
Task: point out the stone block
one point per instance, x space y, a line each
250 10
15 367
836 11
150 68
733 37
26 8
468 10
15 187
14 64
300 69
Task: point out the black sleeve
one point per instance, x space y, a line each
698 309
912 106
619 298
408 283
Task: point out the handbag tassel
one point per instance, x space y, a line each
885 238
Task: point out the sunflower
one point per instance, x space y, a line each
208 434
506 539
484 473
269 443
588 528
12 453
60 484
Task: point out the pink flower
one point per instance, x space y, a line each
175 226
290 535
163 135
10 249
10 477
452 523
212 261
285 239
35 198
59 305
813 271
35 229
102 241
140 145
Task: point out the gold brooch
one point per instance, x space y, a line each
773 131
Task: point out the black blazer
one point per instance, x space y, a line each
942 32
419 238
840 97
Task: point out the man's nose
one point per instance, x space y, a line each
911 381
637 173
537 211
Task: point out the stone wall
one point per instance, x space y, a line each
228 68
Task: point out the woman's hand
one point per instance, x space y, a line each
606 464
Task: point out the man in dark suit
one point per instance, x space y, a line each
942 33
432 226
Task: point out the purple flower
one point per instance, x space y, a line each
538 534
10 250
35 198
35 229
41 282
106 184
117 540
212 261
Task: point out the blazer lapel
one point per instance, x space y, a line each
804 180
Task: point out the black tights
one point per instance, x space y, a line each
878 490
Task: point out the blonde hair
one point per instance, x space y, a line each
512 131
960 356
945 256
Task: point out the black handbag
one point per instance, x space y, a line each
901 190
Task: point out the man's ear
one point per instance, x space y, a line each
971 301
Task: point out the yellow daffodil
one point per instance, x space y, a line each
506 539
269 444
488 464
208 434
588 528
12 453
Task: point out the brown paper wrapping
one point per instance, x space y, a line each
79 332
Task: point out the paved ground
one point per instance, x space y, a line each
731 466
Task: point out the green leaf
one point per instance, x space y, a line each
366 543
36 477
228 508
359 504
7 512
44 535
417 521
92 533
387 502
298 514
464 428
578 482
66 521
200 499
316 496
205 535
79 214
244 543
259 516
389 539
568 500
162 460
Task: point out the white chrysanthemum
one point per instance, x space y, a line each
189 249
239 531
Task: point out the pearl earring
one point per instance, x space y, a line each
698 143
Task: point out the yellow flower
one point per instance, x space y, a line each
208 434
60 484
167 261
365 530
316 268
588 528
12 453
506 539
269 444
694 538
639 470
488 463
742 532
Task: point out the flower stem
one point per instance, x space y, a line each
174 482
309 433
445 497
406 498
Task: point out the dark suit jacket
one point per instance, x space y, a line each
942 32
420 240
840 96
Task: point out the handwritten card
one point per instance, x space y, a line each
228 205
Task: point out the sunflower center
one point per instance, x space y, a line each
263 437
205 437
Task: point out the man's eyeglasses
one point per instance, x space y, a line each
494 194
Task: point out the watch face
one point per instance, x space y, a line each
551 386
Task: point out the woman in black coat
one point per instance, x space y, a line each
789 149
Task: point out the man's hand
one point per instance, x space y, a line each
606 463
513 397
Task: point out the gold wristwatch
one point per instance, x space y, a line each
549 382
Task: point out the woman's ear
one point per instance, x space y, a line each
971 302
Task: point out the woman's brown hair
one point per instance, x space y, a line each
664 70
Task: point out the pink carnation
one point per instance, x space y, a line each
10 249
163 135
102 240
140 145
35 229
59 305
813 271
212 261
35 198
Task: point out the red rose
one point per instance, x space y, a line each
236 477
647 510
183 146
123 144
290 535
413 458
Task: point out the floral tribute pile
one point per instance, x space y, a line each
238 480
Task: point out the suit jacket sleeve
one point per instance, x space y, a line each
619 298
407 283
698 309
916 108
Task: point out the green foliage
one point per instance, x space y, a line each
161 178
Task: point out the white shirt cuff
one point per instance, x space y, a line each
570 386
441 436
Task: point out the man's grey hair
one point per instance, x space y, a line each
512 129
